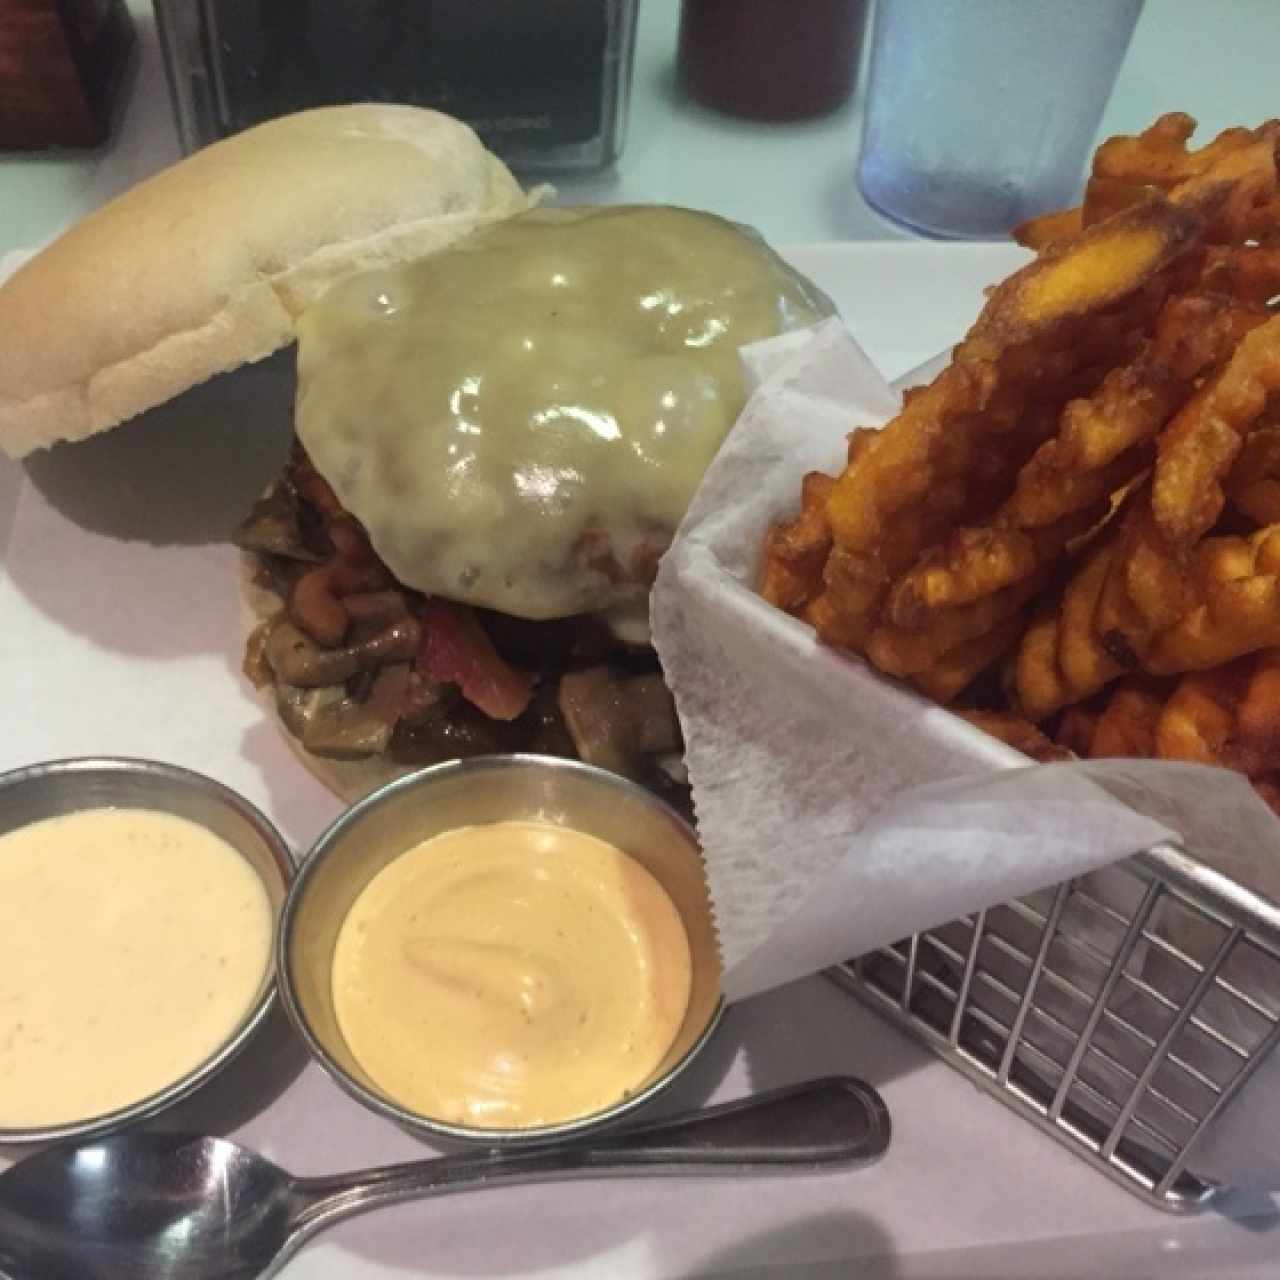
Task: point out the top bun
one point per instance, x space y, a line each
205 266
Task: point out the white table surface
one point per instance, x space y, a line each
967 1189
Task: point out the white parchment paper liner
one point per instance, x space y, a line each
840 811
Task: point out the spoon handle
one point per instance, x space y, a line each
819 1124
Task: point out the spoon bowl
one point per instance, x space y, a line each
146 1205
158 1206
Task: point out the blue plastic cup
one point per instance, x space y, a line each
981 113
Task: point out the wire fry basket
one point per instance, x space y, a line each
1120 1012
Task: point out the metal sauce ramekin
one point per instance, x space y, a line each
69 786
463 793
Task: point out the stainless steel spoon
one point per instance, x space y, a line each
156 1206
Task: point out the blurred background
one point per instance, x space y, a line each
794 180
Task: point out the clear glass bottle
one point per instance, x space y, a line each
546 83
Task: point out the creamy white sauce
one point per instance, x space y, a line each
511 975
521 420
132 943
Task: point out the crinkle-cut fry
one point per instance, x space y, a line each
1119 625
860 439
1194 333
1227 559
973 563
913 480
1231 180
1198 721
1238 610
1017 732
1195 452
1129 408
1128 588
1249 272
926 473
796 550
1148 588
1241 617
1102 266
1258 719
1064 656
1048 496
900 651
1105 197
1230 193
1128 169
1159 155
1049 229
1034 679
1262 225
1076 728
854 583
833 626
1100 447
957 669
1201 329
1253 487
979 562
970 484
1127 724
1086 665
1268 789
844 611
1226 716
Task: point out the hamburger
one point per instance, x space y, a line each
501 414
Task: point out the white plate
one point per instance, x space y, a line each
121 634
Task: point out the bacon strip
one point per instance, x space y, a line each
456 649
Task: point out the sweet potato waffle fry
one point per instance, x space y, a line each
1072 534
1229 173
1196 452
1253 486
953 452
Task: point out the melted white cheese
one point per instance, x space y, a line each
521 420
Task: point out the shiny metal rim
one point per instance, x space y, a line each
145 1108
411 1120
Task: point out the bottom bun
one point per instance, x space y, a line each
350 780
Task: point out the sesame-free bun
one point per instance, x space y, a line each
205 266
